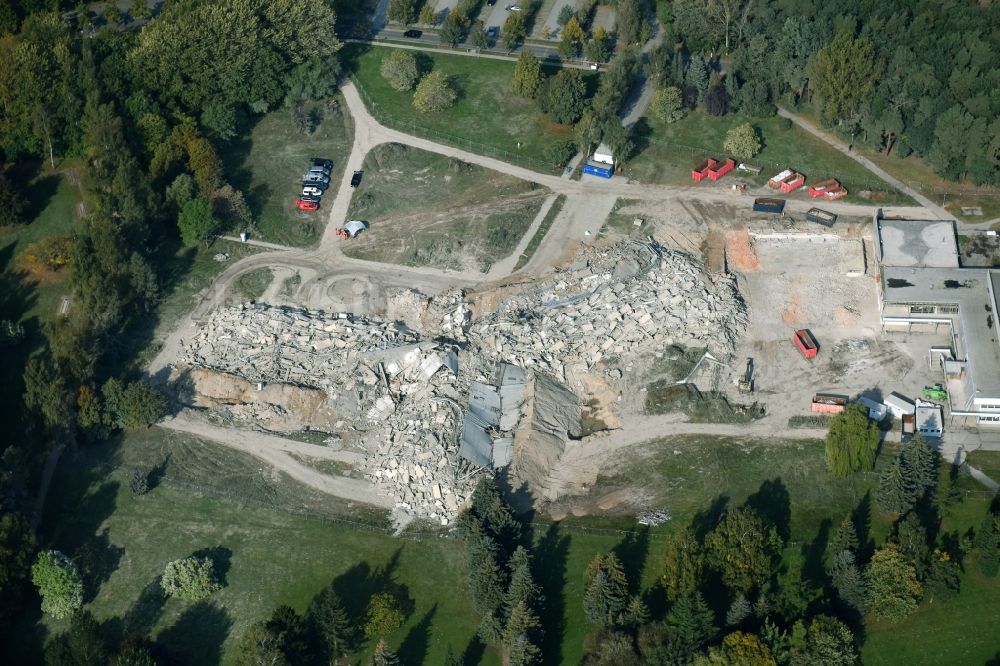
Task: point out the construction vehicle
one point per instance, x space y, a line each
746 381
936 392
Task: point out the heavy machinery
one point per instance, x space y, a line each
936 392
746 381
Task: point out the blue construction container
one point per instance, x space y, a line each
598 169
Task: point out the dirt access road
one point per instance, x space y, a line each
324 272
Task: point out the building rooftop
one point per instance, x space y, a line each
918 243
974 291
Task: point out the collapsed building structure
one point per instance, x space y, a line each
434 396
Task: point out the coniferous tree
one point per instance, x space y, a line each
987 543
683 563
895 492
920 464
738 611
328 623
691 621
697 77
606 594
845 538
518 637
383 656
847 580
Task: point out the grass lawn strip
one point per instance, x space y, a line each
543 228
267 164
668 152
252 285
487 118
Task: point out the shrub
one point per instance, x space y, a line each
190 578
400 70
383 616
138 482
434 93
560 153
59 584
742 141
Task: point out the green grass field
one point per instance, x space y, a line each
268 163
424 209
487 118
987 462
668 152
281 543
543 228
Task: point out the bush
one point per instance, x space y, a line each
560 153
191 578
138 482
742 141
59 584
563 96
383 616
137 405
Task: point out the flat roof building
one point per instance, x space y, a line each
924 289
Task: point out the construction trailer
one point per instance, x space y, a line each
601 169
806 343
699 172
603 155
828 403
720 169
898 405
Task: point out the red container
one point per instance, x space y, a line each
823 408
721 169
835 194
820 189
699 172
806 343
796 181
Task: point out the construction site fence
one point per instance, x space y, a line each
450 139
413 533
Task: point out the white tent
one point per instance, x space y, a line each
354 227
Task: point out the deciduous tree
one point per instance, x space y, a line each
59 584
893 588
513 31
80 645
434 93
825 641
190 578
527 75
12 203
667 104
400 70
843 73
402 11
571 39
852 439
383 616
742 549
563 96
197 222
17 550
683 563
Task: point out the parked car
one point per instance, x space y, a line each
316 177
493 33
319 161
415 34
312 191
302 204
513 8
310 197
320 169
356 178
491 2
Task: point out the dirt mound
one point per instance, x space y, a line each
739 251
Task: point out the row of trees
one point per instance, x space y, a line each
433 93
902 77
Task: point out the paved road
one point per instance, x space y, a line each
932 207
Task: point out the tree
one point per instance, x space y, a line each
605 596
527 75
328 623
560 152
478 36
846 537
618 139
402 11
893 589
565 14
738 648
59 584
852 439
587 132
133 406
742 549
894 493
112 14
522 587
427 14
563 96
920 464
847 580
744 142
987 542
683 563
598 49
140 10
260 646
912 538
196 221
518 638
434 93
384 615
738 611
383 656
136 650
12 203
667 104
628 21
45 392
825 642
942 576
80 645
513 31
453 29
697 77
572 38
289 633
717 101
190 578
17 549
180 191
400 70
843 73
691 621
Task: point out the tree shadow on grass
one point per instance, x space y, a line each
413 650
145 610
632 551
198 635
356 586
813 570
221 558
473 652
861 517
705 521
772 503
97 558
549 560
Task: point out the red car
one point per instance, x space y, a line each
302 204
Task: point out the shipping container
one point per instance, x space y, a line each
794 182
821 216
721 169
829 403
819 189
598 169
698 173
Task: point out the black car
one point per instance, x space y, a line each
491 2
320 162
416 34
356 179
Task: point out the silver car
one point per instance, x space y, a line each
311 190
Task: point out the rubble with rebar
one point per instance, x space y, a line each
404 396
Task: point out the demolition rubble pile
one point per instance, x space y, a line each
399 393
406 398
629 298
